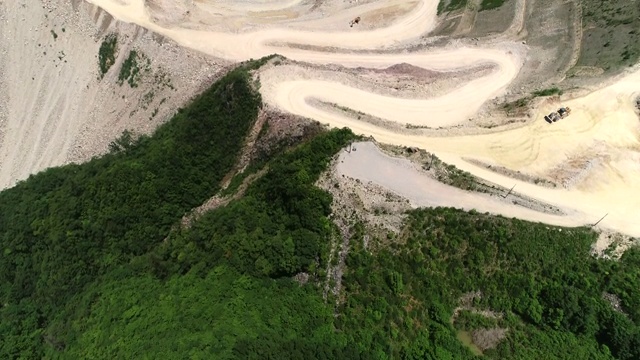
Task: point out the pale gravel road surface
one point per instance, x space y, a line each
404 178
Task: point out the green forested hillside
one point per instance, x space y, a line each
64 227
94 266
541 278
221 288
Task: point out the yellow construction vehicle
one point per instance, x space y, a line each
562 113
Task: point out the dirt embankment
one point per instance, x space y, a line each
402 80
55 108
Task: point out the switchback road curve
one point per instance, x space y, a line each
605 117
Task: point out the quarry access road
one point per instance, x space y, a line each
604 118
443 111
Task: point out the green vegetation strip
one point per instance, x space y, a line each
107 53
491 4
611 34
450 5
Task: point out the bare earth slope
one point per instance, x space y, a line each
53 107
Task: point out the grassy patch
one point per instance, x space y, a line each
547 92
130 70
611 39
450 5
491 4
451 175
107 53
519 107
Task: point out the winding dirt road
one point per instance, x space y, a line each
601 122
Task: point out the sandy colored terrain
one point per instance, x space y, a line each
54 109
444 110
399 81
593 153
406 179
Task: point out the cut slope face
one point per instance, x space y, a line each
54 108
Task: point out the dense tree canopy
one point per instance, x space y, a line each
64 227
